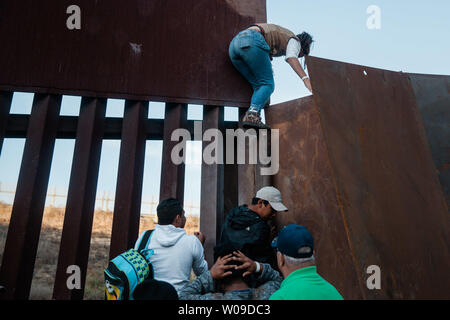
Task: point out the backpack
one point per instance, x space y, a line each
244 230
128 270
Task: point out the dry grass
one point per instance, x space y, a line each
48 249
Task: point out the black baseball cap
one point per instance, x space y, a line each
294 241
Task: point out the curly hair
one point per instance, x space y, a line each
306 41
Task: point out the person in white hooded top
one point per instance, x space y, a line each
175 253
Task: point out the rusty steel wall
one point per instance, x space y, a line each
306 184
386 183
433 99
159 50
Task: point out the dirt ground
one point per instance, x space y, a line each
48 249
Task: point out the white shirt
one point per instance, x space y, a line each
175 254
293 49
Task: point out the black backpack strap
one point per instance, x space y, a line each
144 242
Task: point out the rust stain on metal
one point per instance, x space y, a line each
361 135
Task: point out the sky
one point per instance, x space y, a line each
413 37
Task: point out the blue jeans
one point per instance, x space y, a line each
249 53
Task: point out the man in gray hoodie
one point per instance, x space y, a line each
175 253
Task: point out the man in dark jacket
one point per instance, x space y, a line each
246 228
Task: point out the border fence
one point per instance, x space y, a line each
104 201
44 125
125 65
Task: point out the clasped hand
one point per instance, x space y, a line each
221 269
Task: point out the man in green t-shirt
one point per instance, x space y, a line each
295 246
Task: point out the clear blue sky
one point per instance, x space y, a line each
413 38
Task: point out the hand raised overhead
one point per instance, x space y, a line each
219 269
247 263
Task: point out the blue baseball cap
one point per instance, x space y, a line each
294 241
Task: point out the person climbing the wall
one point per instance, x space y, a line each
251 52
